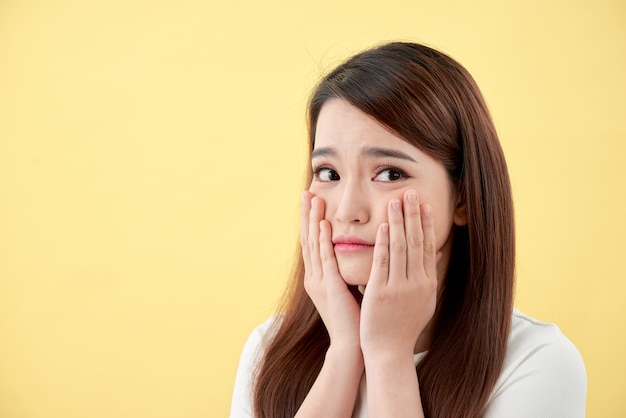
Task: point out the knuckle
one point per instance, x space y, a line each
381 260
428 285
415 241
427 221
398 246
430 246
412 209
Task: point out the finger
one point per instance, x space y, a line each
415 234
397 241
327 252
430 244
313 242
380 263
305 210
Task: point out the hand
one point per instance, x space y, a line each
401 294
326 288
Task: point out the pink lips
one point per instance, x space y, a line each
351 245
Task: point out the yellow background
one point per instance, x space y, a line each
151 157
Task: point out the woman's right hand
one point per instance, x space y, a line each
322 281
335 389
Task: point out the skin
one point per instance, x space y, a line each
373 185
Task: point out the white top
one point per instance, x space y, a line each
543 375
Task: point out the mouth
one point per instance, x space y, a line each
348 245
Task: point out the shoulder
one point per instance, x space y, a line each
529 334
543 373
260 334
253 348
241 403
532 340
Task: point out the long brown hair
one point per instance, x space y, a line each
433 103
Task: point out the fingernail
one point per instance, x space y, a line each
395 204
384 228
411 197
426 210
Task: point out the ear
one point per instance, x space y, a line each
460 212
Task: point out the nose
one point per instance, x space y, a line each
352 206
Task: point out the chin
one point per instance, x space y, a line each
354 273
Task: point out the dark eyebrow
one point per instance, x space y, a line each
386 152
368 152
322 152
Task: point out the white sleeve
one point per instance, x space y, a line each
241 403
545 379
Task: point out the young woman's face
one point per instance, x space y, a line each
359 166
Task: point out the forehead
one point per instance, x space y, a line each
341 126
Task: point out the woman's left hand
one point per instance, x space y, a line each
401 295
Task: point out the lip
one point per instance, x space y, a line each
351 244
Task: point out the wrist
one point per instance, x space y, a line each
345 354
388 359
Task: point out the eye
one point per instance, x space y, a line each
325 174
390 174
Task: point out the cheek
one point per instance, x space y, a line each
327 196
313 189
443 226
442 235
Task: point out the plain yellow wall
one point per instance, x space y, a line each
151 157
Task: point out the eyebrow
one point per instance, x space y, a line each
387 152
367 151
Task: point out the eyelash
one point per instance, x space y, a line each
318 170
401 173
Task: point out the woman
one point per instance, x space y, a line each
402 299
